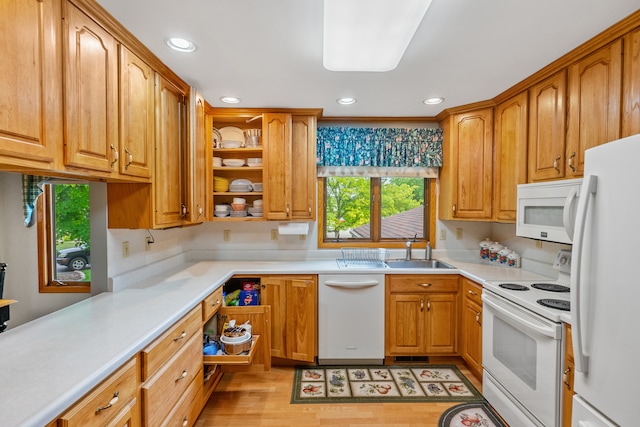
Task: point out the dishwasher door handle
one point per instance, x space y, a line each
352 285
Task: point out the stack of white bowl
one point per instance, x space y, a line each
256 210
254 162
222 210
239 207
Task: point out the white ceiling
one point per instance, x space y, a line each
269 52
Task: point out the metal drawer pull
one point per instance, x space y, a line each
115 155
478 317
216 303
573 168
185 422
129 158
112 402
565 377
555 164
183 376
421 304
182 335
429 304
424 285
471 292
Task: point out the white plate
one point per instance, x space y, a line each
221 214
231 133
234 163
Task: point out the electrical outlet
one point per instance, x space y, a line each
539 244
303 237
227 235
458 233
148 241
443 234
125 249
274 234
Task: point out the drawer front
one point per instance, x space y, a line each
165 387
211 304
472 291
154 356
188 407
107 400
422 283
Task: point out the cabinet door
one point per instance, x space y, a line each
259 316
631 84
197 155
406 323
472 137
546 129
302 319
91 94
137 111
567 378
510 156
30 83
595 91
274 294
276 137
303 167
471 346
441 334
170 207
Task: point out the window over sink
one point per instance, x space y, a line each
375 211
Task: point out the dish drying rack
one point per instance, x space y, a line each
363 258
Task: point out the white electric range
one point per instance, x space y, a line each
522 341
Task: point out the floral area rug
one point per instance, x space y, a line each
477 414
342 384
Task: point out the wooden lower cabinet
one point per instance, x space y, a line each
294 315
115 402
421 315
567 378
471 326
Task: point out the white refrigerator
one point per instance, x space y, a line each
605 288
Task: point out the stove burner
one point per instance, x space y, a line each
555 303
551 287
513 287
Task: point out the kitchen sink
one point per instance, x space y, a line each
417 263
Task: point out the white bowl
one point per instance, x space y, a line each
220 214
257 186
235 163
257 203
239 200
228 143
222 208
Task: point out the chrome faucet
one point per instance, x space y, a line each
408 247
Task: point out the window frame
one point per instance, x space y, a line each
46 250
375 241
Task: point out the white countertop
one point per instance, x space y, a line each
51 362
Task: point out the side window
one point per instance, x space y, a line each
64 245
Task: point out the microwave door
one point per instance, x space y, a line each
543 219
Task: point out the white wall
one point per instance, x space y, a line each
19 250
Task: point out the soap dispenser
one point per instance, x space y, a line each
427 251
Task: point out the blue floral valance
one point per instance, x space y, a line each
379 147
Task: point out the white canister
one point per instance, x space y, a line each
484 248
503 254
493 251
513 260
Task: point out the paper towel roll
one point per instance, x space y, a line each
293 228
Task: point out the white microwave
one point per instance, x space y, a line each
546 210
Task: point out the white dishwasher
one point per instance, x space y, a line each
350 319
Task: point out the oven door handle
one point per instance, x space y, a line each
541 329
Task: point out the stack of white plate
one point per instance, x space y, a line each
254 162
232 137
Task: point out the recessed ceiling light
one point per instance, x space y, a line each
181 45
346 101
369 35
230 99
433 101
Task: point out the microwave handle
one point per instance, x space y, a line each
568 220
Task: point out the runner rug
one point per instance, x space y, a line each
343 384
476 414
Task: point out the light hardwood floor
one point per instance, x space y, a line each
258 399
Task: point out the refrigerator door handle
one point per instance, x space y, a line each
567 220
577 323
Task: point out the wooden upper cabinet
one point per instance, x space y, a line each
169 193
510 155
547 128
91 94
466 185
197 155
30 83
631 84
595 91
137 111
303 167
276 139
